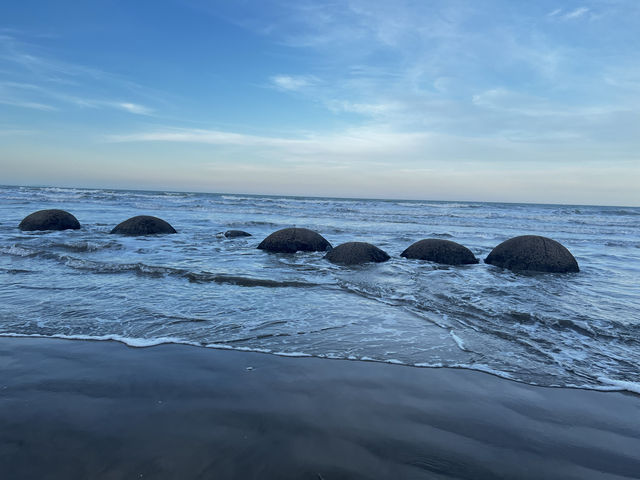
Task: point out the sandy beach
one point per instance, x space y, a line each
102 410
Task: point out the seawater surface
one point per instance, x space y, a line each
197 287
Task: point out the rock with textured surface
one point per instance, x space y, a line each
143 225
440 251
49 220
291 240
533 253
354 253
236 233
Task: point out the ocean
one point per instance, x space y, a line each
200 288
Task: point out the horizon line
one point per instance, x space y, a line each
319 197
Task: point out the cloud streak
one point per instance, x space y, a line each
356 144
569 15
577 13
133 108
28 105
50 79
293 83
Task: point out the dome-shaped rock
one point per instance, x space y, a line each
291 240
533 253
49 220
440 251
143 225
353 253
236 233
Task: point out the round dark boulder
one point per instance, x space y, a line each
533 253
49 220
440 251
143 225
236 233
353 253
291 240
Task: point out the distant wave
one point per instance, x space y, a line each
622 212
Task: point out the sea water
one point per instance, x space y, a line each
198 287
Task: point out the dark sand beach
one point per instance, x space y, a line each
102 410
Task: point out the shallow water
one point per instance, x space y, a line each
196 287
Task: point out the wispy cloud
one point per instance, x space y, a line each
212 137
26 104
11 92
134 108
62 84
293 82
578 12
383 146
368 109
9 96
353 145
569 15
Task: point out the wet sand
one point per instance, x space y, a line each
102 410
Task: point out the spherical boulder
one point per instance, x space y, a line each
440 251
143 225
236 233
49 220
353 253
291 240
533 253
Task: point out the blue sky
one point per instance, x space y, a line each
454 100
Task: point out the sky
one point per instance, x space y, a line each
499 100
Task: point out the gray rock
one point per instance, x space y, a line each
49 220
440 251
291 240
143 225
533 253
353 253
236 233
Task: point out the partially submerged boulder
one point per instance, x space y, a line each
236 233
533 253
440 251
143 225
353 253
291 240
49 220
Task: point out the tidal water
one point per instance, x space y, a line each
197 287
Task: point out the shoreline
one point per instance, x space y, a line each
102 409
620 385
